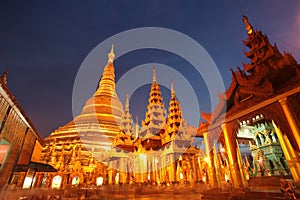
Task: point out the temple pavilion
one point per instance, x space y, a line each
259 110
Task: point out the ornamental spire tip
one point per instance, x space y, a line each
172 89
154 74
249 27
127 103
111 55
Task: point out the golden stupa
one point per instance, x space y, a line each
91 132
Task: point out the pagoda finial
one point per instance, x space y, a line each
136 126
249 27
172 89
154 74
127 103
137 119
111 55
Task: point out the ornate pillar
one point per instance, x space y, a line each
162 167
200 177
210 170
194 166
122 171
21 179
231 149
110 173
217 167
172 168
291 120
152 177
241 166
290 155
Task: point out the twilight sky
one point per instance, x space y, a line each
43 44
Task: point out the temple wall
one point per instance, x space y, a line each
17 135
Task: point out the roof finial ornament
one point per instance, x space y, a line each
136 126
127 103
4 77
172 89
249 27
111 55
154 74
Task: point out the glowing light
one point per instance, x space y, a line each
99 181
222 149
143 156
206 159
75 180
117 178
149 177
226 178
27 182
56 182
181 175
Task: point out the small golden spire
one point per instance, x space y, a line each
137 120
136 126
172 89
249 27
127 103
154 74
111 55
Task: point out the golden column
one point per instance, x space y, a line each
110 175
241 166
231 149
210 169
217 167
290 155
291 120
153 172
122 170
162 169
172 168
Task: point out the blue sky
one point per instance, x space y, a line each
44 43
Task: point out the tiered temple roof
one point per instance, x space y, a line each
155 118
268 73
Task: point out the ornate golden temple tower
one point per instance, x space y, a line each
154 122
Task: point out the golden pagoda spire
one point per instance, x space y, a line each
249 27
111 55
172 89
156 112
127 103
154 75
137 126
126 121
174 116
107 83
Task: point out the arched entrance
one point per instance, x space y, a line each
56 182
